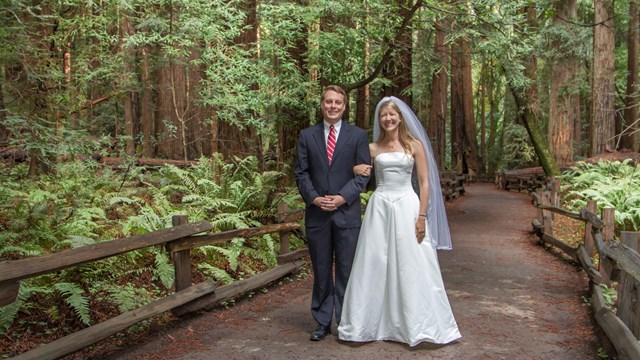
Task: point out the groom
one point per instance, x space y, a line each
327 153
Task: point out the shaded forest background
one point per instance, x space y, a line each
497 84
226 86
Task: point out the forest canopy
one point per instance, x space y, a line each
497 84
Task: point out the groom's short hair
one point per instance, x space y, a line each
335 88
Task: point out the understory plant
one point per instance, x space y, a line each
86 202
612 184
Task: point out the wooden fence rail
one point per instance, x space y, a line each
452 185
617 262
188 297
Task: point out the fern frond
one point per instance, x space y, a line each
130 297
164 270
73 296
229 221
216 273
76 241
231 254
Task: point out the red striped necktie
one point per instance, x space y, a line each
331 143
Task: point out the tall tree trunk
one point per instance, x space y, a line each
493 124
131 97
563 98
363 93
533 128
483 116
399 69
629 136
603 88
470 156
532 124
147 118
4 132
457 107
41 161
247 140
438 111
294 118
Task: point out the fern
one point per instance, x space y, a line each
130 297
232 253
611 184
164 271
73 296
216 273
265 250
9 312
229 221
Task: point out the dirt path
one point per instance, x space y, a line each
511 298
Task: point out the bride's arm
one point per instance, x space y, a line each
365 169
423 179
362 170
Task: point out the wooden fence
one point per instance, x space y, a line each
521 180
452 185
179 240
616 262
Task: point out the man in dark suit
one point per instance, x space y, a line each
327 153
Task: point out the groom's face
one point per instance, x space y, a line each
332 106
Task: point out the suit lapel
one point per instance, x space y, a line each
318 135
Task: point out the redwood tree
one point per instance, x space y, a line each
630 126
438 111
564 102
603 87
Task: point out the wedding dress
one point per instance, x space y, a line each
395 291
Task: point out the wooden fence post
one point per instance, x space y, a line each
284 235
606 265
182 259
547 219
540 213
629 289
589 242
555 194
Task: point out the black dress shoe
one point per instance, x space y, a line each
320 332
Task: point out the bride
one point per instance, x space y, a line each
395 291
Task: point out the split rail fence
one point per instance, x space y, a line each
616 262
178 240
188 297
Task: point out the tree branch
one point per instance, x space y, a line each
393 44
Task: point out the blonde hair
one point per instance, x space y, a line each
404 136
335 88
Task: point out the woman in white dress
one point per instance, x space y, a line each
395 291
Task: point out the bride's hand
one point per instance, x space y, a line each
420 229
362 170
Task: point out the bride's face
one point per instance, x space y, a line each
389 119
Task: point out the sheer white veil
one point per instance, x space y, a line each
436 215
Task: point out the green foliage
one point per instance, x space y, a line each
74 297
518 152
610 295
86 203
612 184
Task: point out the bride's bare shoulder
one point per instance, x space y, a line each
374 149
416 147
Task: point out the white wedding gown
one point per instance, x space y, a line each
395 290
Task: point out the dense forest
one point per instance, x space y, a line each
103 103
497 84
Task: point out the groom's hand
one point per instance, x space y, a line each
335 201
324 203
329 202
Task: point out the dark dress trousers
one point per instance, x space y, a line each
332 236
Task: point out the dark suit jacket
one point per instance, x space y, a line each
315 177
